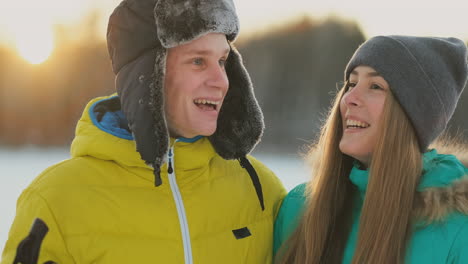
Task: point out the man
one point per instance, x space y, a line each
159 173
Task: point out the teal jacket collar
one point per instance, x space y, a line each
439 171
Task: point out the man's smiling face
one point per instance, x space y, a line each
195 85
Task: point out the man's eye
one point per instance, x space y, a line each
197 61
222 63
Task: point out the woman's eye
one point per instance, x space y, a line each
350 85
375 86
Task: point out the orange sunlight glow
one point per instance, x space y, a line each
36 45
31 27
28 25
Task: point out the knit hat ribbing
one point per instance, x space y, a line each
426 75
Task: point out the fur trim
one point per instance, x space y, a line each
240 122
455 147
434 204
156 106
133 84
180 21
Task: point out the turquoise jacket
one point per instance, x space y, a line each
445 242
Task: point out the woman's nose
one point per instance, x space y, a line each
353 97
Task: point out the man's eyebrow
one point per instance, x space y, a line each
204 51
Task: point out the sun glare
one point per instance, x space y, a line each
30 27
35 46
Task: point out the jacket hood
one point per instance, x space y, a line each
93 138
435 203
139 33
102 132
442 190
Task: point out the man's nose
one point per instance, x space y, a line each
218 77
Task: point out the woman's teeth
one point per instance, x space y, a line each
355 123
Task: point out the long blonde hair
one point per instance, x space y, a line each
385 221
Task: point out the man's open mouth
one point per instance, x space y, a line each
207 105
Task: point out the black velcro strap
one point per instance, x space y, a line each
157 175
241 233
28 250
245 163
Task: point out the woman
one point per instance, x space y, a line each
378 194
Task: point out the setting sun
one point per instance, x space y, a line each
35 46
30 27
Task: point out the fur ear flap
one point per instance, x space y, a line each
142 100
240 122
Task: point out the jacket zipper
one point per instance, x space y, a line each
180 208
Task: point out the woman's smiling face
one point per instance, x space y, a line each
361 110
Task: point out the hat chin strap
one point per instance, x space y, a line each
245 163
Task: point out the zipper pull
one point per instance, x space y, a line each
169 167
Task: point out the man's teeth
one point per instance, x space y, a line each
355 123
203 101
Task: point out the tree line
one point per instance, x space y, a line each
294 70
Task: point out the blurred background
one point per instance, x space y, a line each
53 60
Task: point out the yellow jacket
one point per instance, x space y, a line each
101 206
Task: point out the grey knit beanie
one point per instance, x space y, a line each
426 75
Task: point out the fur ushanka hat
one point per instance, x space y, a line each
139 34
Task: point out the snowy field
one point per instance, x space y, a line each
18 167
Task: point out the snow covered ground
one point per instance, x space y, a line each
18 167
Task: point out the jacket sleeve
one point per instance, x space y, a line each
278 231
459 250
30 207
288 216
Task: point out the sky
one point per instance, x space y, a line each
23 23
414 17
